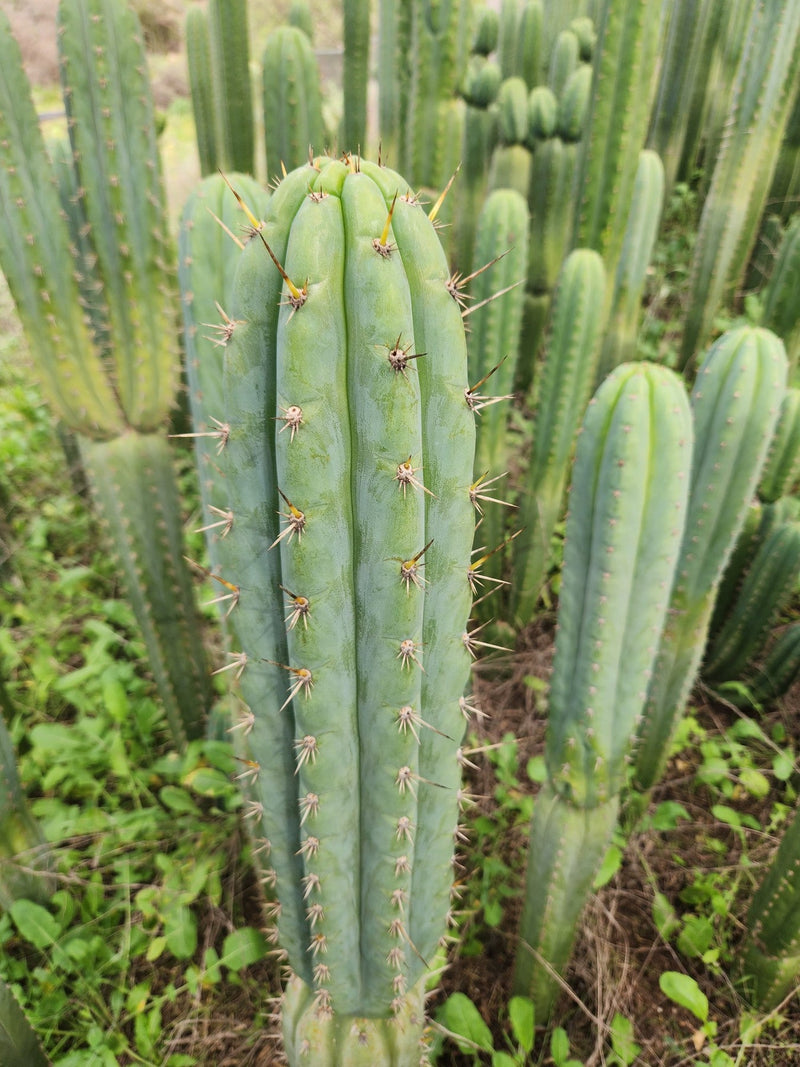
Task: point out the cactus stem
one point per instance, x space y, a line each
238 662
405 476
434 211
292 418
222 432
477 495
382 244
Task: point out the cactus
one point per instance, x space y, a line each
511 159
113 386
493 343
19 1045
781 474
627 506
355 75
348 475
293 124
24 855
770 956
785 190
781 313
565 57
561 392
527 61
393 74
736 401
233 90
644 216
777 672
766 588
201 87
766 80
616 126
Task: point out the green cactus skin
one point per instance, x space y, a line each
627 507
511 159
112 394
233 96
363 872
507 38
301 17
353 135
781 474
785 189
736 402
486 34
763 94
19 1045
616 126
644 217
393 74
777 672
201 88
770 960
781 314
558 16
293 124
24 854
528 61
768 585
563 60
561 391
210 241
493 342
738 562
682 74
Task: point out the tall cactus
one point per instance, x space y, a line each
113 386
781 311
293 124
355 75
233 91
770 958
348 475
766 82
627 507
561 391
201 87
736 401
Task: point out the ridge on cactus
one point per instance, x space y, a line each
347 473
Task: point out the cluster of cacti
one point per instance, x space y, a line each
218 57
735 402
766 82
98 310
347 471
628 500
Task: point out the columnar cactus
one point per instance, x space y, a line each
511 159
736 401
201 86
19 1045
766 82
562 389
627 507
109 370
355 75
24 854
348 473
770 960
293 124
233 91
781 474
781 312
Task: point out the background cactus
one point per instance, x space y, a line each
24 854
233 91
781 313
735 402
109 371
19 1045
293 124
355 75
627 505
201 86
353 575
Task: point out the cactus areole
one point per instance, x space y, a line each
348 467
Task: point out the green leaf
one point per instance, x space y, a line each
612 861
536 769
177 799
696 937
664 916
783 766
35 923
685 992
668 814
463 1019
180 931
756 783
622 1039
559 1045
243 947
502 1059
522 1015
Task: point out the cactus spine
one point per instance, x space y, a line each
736 401
624 528
293 124
348 471
112 386
766 81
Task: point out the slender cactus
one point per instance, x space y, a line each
355 75
293 124
19 1045
511 159
627 507
781 474
201 87
781 310
561 391
770 958
233 90
113 386
775 674
766 81
24 854
736 402
353 574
